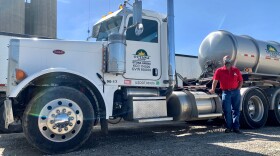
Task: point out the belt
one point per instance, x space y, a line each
228 90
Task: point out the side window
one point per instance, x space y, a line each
150 33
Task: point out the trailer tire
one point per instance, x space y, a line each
274 115
58 120
254 112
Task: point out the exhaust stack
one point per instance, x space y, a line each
171 43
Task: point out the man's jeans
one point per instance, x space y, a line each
231 106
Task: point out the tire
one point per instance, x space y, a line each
58 120
274 115
254 112
12 128
2 121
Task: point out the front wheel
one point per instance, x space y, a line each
58 120
254 109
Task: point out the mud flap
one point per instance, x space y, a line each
104 126
9 117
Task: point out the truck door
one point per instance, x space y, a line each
143 58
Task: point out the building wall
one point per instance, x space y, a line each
12 16
28 20
32 17
41 18
188 66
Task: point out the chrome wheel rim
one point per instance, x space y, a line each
255 108
60 120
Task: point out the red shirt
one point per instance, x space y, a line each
229 79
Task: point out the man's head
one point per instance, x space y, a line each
227 61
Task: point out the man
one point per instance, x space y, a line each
231 82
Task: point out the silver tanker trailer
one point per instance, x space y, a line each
259 63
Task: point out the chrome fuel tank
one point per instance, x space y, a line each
246 52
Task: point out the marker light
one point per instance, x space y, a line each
121 6
20 75
248 70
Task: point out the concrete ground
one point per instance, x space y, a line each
163 139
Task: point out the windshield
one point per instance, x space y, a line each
109 26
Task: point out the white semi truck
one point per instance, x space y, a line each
61 89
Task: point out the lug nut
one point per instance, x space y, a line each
66 129
71 118
59 130
54 127
70 124
64 110
58 111
52 121
69 113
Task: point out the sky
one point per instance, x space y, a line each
194 19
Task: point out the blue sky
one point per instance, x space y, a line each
194 19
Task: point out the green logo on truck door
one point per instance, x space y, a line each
141 52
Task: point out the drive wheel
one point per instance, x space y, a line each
274 115
58 120
254 110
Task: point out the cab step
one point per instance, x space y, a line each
146 120
212 115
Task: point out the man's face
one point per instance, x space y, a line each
227 62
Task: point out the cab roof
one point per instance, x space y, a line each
119 12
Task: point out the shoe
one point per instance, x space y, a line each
237 131
227 130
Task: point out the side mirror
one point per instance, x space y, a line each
139 29
137 17
137 12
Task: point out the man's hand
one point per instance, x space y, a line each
212 91
214 85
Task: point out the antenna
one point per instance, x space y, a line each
89 16
109 6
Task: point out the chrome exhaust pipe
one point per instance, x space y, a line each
171 43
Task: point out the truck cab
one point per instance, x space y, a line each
145 54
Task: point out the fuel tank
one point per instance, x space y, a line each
245 51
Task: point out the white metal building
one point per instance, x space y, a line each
187 66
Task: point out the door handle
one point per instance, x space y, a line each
155 72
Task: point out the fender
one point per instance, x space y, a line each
15 91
